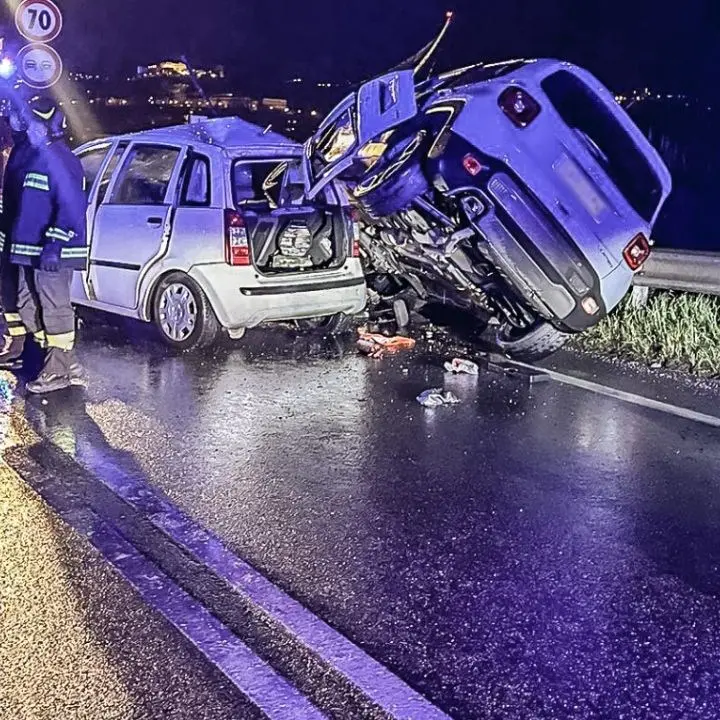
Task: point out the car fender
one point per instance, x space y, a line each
153 277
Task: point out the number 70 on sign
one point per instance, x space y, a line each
39 20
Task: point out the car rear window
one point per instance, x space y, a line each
623 161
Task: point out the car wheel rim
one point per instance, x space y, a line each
178 312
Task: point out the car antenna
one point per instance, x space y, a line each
429 51
267 129
196 84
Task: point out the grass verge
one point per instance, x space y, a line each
675 330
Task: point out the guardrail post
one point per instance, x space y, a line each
639 297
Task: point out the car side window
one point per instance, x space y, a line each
196 186
92 161
109 171
145 176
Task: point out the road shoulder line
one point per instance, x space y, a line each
263 688
337 675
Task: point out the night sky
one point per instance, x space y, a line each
625 42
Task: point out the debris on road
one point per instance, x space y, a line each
462 367
8 383
435 397
376 345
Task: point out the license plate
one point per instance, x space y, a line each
576 179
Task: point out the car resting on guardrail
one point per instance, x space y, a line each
519 191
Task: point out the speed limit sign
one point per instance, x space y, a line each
40 66
39 20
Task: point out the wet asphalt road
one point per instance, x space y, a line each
535 552
77 643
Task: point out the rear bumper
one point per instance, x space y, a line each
241 298
554 265
552 275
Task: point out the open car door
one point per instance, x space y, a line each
376 108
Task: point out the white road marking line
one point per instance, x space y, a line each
623 395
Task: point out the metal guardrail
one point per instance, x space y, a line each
684 270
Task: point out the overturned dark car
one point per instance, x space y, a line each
520 193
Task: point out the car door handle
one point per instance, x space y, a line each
155 221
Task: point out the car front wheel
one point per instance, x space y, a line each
183 315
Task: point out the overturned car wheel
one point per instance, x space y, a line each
535 343
396 182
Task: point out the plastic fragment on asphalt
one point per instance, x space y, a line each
462 367
376 345
7 386
435 397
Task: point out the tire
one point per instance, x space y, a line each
181 293
337 324
402 314
394 185
538 342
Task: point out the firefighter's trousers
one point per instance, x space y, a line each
45 312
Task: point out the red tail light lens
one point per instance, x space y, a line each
472 165
519 106
355 240
237 245
637 252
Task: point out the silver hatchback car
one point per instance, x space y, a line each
206 227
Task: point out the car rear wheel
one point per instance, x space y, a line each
183 315
535 343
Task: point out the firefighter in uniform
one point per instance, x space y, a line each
20 158
48 242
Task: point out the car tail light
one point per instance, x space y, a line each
519 106
237 245
472 165
637 252
355 221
